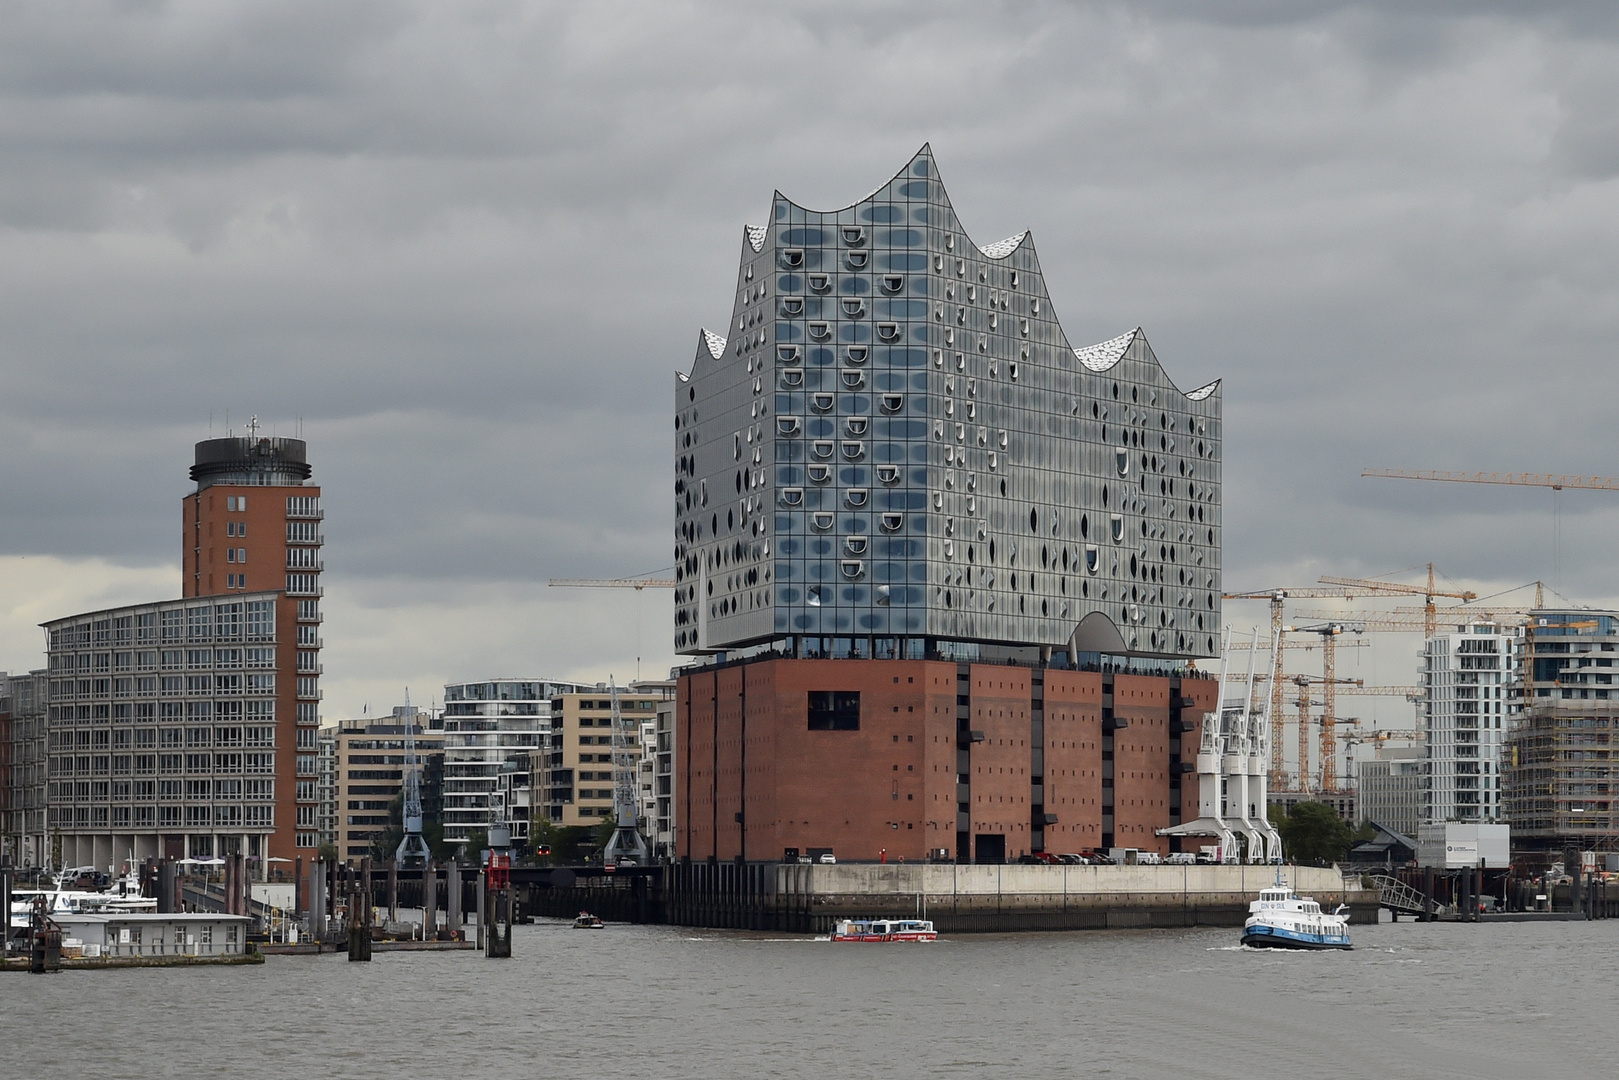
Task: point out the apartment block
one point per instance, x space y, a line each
371 762
24 838
491 731
578 759
1471 695
662 824
1391 787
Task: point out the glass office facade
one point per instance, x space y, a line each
894 442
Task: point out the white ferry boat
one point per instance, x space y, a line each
885 930
1281 920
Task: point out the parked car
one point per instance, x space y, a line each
1181 858
1148 858
828 857
1073 858
1048 858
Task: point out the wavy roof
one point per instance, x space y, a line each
1096 358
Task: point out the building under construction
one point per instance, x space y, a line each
1559 770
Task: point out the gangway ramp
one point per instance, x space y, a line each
1400 898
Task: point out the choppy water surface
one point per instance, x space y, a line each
1510 1000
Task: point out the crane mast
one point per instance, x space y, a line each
627 846
413 848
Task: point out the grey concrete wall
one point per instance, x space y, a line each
1051 897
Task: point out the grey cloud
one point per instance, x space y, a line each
468 244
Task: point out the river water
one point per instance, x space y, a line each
1412 1000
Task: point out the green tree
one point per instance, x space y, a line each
1312 833
385 845
604 832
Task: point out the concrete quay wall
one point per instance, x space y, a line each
1020 897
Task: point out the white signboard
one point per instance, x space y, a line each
1461 853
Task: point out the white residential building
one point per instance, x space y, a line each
491 730
1470 678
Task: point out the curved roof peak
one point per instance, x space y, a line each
1104 355
919 166
1203 391
714 343
1000 249
756 235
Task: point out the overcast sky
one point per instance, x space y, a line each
468 244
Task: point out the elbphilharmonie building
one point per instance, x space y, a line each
894 450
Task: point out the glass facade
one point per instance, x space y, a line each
896 441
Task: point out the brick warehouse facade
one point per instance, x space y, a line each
917 759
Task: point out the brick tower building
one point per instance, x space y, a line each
188 727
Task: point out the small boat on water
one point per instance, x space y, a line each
587 921
885 930
1279 919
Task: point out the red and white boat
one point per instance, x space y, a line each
885 930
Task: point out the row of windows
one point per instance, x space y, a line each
192 711
165 737
220 788
164 686
227 621
147 764
164 659
117 817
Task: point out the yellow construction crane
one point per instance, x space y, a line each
1547 480
1394 588
1377 622
1555 482
613 583
1329 682
1277 597
1328 751
1383 735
